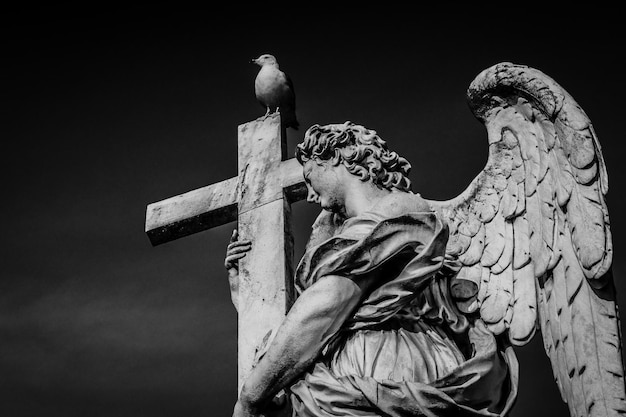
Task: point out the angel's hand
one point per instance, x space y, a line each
236 250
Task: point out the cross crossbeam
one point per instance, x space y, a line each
259 199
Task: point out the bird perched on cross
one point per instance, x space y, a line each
274 90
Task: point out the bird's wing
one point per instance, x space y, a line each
532 233
290 84
290 95
288 104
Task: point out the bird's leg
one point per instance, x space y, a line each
267 113
277 109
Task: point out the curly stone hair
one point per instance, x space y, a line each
361 150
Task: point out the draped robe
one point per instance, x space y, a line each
406 350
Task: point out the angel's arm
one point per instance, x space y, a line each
314 318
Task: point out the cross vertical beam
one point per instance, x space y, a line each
266 272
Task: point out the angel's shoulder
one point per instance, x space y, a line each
399 203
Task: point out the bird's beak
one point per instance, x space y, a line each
253 61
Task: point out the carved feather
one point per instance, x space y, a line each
508 203
466 296
566 341
524 321
564 177
494 241
484 282
504 261
470 226
521 245
538 246
549 340
558 238
498 299
475 249
586 220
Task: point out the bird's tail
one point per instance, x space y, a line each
289 119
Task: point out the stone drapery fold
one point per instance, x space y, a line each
397 355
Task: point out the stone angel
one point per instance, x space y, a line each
413 307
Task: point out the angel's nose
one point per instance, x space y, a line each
312 196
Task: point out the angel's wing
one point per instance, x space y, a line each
532 232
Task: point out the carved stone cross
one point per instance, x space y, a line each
259 199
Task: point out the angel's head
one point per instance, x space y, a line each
360 150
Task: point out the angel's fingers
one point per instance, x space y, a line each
235 256
238 249
234 236
230 260
238 244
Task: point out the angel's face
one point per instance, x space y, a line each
324 185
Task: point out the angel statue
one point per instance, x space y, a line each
413 307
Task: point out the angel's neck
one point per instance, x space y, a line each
363 198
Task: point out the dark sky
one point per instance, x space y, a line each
104 115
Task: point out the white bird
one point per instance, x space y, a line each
274 90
